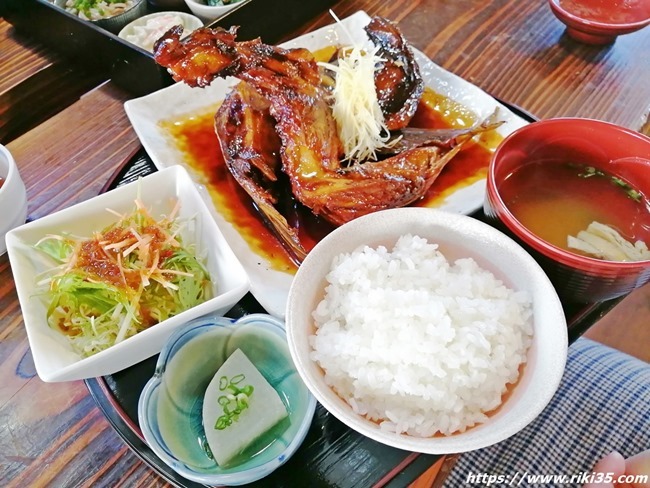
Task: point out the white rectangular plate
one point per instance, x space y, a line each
270 287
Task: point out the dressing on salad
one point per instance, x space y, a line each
133 274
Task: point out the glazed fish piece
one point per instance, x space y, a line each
311 153
251 150
398 81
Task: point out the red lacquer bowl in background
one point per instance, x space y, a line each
594 143
601 21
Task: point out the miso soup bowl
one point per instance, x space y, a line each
605 146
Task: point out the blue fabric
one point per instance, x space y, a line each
602 404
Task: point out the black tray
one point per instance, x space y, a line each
132 68
332 455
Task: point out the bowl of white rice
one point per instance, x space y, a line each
426 330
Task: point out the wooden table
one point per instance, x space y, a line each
68 132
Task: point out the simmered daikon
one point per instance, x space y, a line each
238 408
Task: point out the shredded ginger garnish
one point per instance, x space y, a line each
356 109
604 242
131 275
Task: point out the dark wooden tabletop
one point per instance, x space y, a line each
68 131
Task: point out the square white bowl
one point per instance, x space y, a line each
54 358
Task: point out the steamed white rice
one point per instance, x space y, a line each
416 343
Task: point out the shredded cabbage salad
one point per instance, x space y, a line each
130 276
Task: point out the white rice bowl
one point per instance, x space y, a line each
388 380
416 343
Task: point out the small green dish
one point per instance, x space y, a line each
170 406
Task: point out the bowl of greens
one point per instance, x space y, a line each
111 15
104 283
209 10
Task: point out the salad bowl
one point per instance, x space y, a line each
54 356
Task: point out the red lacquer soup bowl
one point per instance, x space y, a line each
590 147
601 21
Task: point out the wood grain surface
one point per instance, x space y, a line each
68 132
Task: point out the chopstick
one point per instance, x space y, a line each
435 476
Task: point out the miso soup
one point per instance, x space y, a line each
558 199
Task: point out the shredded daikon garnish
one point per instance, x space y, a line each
604 242
356 109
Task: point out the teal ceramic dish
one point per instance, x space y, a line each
170 406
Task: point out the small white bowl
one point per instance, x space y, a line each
13 196
53 355
144 31
458 236
209 13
